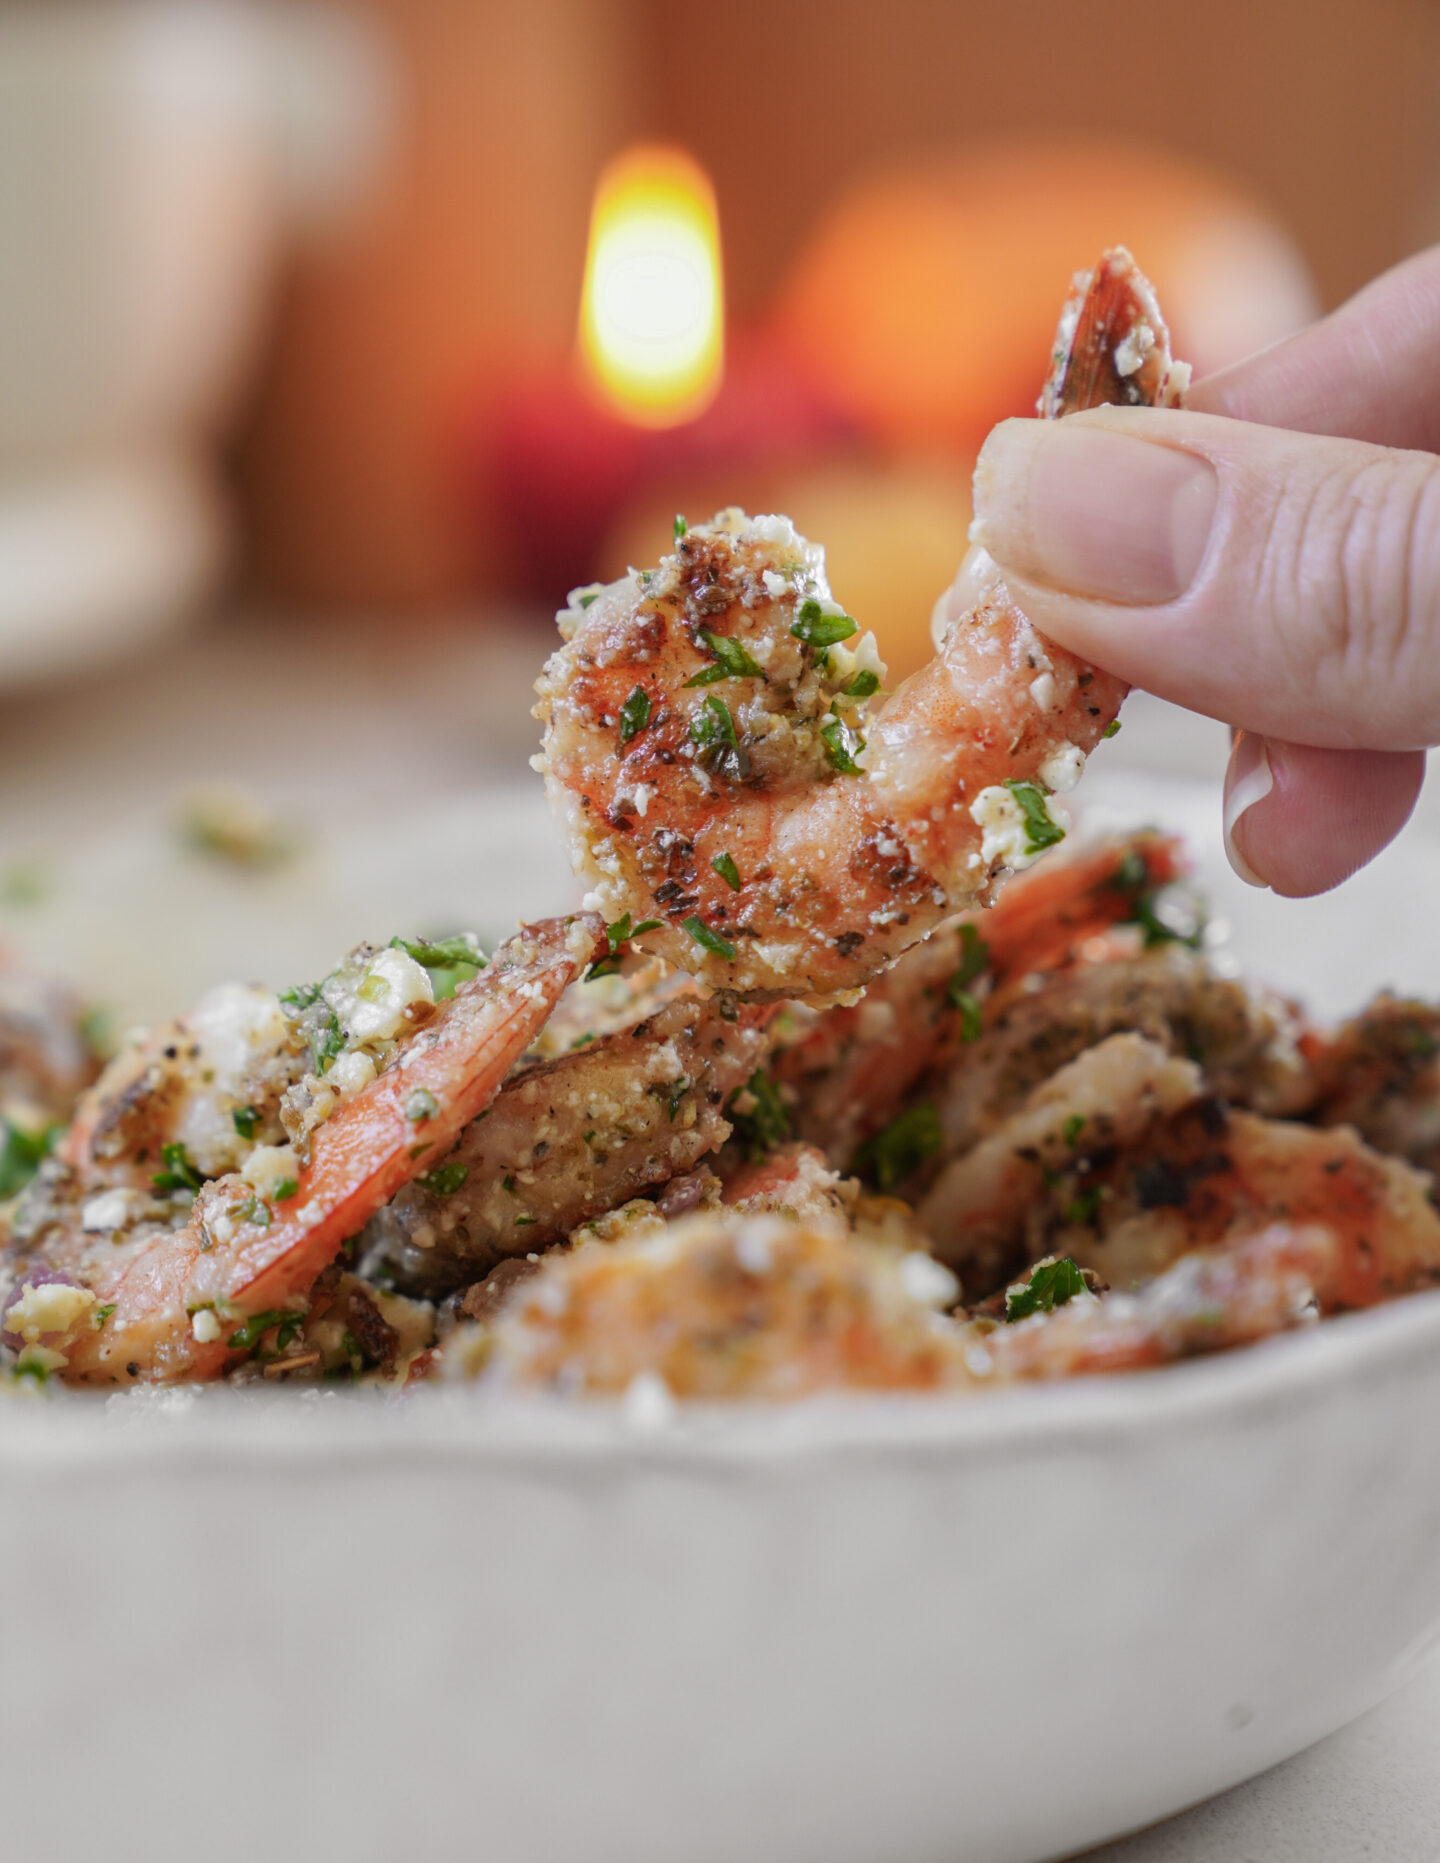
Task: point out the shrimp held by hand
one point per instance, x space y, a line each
712 756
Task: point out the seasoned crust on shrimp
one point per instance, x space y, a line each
569 1139
45 1058
1380 1072
726 1305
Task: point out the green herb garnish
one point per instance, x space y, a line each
901 1147
728 871
671 1095
245 1338
1050 1285
1112 729
819 630
712 727
617 936
285 1190
21 1155
707 939
765 1122
862 685
842 745
634 714
251 1209
970 1013
1072 1129
974 962
246 1121
731 661
681 527
101 1314
445 1179
300 995
179 1173
1040 830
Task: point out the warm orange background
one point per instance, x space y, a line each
1326 110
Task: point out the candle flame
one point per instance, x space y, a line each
652 316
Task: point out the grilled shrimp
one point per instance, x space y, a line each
1210 1174
728 1305
720 775
45 1059
1210 1301
571 1138
118 1295
1380 1072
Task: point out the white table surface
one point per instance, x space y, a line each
351 729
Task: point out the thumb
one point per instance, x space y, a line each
1285 583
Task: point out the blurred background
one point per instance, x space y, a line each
338 340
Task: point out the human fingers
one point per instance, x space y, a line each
1301 820
1369 371
1285 583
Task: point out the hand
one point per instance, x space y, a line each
1269 556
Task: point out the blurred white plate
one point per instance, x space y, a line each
861 1631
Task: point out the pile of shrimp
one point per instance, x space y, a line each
828 1085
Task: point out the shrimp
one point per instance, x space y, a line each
102 1304
46 1062
719 773
569 1139
1211 1174
726 1305
1380 1073
1210 1301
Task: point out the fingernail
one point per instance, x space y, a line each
1095 512
1248 780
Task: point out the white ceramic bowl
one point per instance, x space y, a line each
862 1631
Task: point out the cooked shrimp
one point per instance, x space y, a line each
106 1304
568 1139
1110 1095
1209 1301
725 1305
45 1058
712 757
1211 1174
1380 1072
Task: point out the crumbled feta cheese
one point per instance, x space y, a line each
1063 768
205 1326
1133 348
752 1251
55 1308
978 1361
776 585
928 1281
1005 837
1042 690
111 1209
351 1072
862 655
374 1009
268 1167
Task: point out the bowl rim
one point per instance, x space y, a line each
185 1425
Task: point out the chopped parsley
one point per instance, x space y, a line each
759 1116
179 1172
251 1209
445 1179
974 962
1133 876
842 745
671 1094
731 661
327 1038
592 591
819 630
634 714
1082 1206
712 727
101 1314
245 1338
1112 729
970 1015
901 1147
617 935
682 529
1040 830
300 995
1072 1129
526 1222
863 685
21 1155
246 1121
285 1189
724 865
707 939
1049 1285
421 1105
